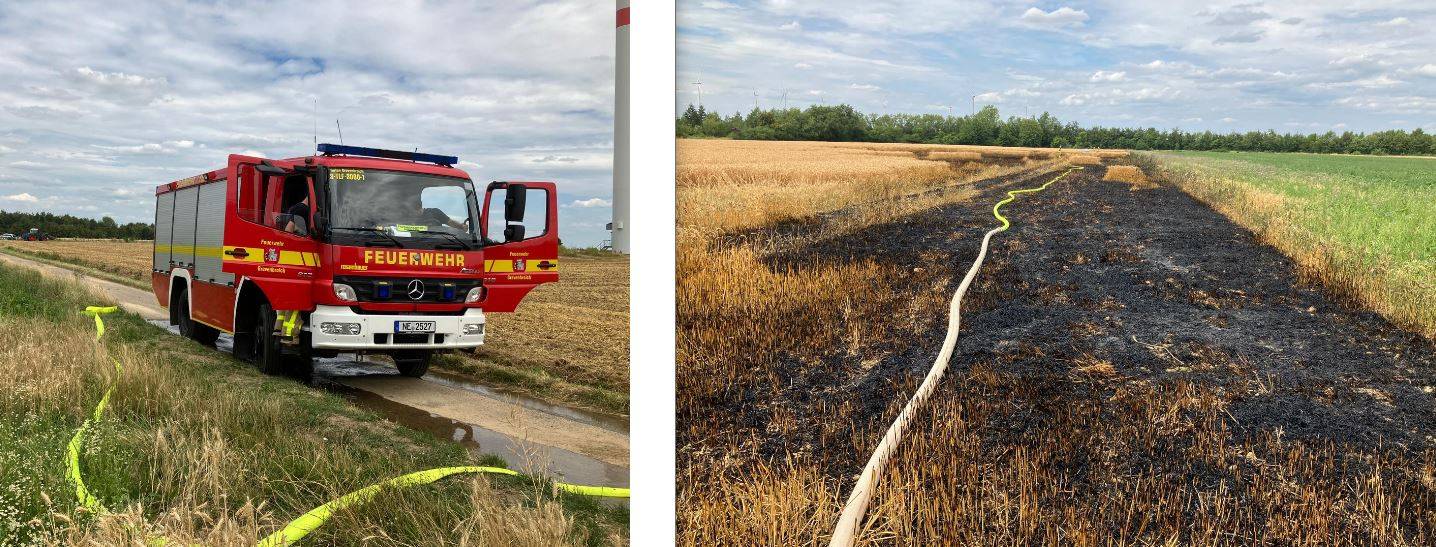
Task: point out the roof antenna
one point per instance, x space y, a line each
341 131
316 124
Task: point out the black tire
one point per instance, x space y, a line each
267 353
413 364
204 334
189 328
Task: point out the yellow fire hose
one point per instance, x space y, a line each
845 533
312 520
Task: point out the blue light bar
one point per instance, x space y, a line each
339 149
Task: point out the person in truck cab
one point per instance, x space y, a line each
298 223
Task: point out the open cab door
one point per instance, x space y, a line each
520 228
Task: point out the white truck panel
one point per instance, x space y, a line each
164 223
209 234
186 199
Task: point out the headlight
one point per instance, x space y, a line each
471 329
475 294
339 328
344 292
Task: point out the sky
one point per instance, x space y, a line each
100 103
1304 67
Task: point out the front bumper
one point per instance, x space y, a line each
376 332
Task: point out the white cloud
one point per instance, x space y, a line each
117 78
989 97
864 87
1104 76
22 197
802 66
591 202
1427 69
1228 120
1395 22
794 25
1058 18
1073 100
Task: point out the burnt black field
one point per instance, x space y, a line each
1153 282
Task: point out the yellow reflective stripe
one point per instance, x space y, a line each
298 258
290 318
498 266
291 258
530 265
255 254
205 251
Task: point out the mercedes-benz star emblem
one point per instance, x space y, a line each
416 289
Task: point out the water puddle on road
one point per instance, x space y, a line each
526 456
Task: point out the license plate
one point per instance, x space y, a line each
413 326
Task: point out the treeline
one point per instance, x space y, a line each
986 127
72 226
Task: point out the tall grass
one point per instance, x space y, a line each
1363 227
199 448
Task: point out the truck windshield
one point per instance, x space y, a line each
399 209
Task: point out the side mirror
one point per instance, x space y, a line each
513 232
514 203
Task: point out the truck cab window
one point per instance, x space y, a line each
292 215
535 220
445 208
250 203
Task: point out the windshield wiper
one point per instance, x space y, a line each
392 239
448 235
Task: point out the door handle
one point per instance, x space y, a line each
238 252
546 265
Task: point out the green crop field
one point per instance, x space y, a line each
1365 226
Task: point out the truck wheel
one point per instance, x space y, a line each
413 364
188 327
267 354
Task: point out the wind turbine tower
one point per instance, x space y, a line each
619 228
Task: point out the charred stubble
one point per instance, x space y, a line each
1134 368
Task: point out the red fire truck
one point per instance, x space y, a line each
349 250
